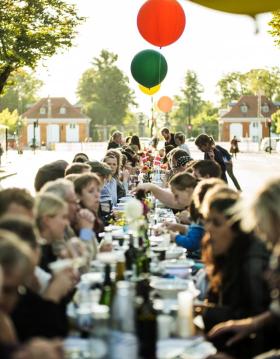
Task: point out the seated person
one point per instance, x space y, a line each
16 201
193 233
41 307
77 167
49 172
237 287
15 266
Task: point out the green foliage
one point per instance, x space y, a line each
231 87
31 30
20 91
103 91
276 121
206 121
235 84
10 119
275 25
191 109
189 104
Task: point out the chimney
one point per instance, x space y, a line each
49 107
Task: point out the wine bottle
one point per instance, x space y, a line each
130 254
120 267
146 323
108 288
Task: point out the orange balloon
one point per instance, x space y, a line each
165 104
161 22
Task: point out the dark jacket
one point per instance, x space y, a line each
35 316
113 145
171 141
243 292
7 351
218 156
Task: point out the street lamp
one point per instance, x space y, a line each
269 133
35 124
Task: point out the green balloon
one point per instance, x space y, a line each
148 68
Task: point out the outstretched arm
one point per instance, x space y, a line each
162 194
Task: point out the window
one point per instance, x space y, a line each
43 111
62 110
265 108
244 108
72 125
255 124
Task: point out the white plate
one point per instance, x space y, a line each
174 253
94 348
169 288
178 263
193 348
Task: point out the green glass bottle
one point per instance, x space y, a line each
130 254
146 322
108 288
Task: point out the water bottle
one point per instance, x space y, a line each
123 341
84 315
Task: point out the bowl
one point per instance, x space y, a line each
178 263
169 288
82 348
174 253
178 267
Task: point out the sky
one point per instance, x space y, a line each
213 44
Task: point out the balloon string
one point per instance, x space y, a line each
159 67
152 110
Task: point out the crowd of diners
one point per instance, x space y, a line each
234 242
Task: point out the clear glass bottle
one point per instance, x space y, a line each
122 340
84 317
100 332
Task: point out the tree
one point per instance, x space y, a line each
231 87
235 84
31 30
275 24
10 119
20 91
276 121
189 104
103 91
207 120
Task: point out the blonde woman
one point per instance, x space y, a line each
52 221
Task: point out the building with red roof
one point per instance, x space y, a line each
247 118
53 120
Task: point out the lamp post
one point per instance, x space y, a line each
35 124
269 133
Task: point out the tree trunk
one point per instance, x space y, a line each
4 75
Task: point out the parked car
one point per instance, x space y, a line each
265 145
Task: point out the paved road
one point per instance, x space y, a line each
251 169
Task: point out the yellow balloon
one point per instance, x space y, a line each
150 91
249 7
